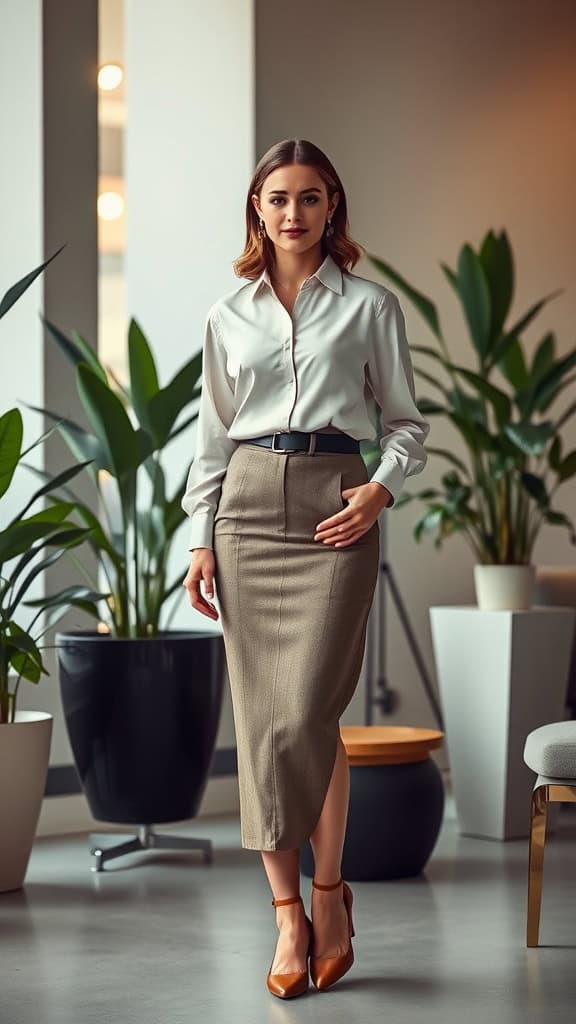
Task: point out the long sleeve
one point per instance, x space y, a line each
391 380
213 446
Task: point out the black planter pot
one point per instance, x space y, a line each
142 717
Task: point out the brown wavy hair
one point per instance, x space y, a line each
259 252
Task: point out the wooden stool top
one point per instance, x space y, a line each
388 744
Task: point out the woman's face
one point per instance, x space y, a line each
294 196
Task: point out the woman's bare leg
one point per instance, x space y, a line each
283 870
328 910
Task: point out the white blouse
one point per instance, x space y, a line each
264 370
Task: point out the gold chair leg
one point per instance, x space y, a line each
536 863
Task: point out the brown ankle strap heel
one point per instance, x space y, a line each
324 971
327 888
284 902
286 986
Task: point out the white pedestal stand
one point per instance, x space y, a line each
501 674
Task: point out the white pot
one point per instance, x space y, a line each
509 587
24 757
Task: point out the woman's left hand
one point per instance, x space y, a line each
365 505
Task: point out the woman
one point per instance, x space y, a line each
285 524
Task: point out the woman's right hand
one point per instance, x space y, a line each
201 568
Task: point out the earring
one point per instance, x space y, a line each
329 229
261 231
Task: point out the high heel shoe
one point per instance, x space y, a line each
288 985
326 970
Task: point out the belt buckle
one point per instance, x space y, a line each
285 450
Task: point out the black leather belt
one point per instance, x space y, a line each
299 440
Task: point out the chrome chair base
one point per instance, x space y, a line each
148 839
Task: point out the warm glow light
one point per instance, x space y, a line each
102 628
110 205
110 76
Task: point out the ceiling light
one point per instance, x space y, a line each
110 76
110 205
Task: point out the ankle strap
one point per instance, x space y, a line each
289 899
327 887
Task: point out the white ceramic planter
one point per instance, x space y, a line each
504 587
24 757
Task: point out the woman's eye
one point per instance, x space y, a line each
313 199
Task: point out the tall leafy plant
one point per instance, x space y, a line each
130 428
29 544
502 491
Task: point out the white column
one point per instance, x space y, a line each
48 179
189 156
21 213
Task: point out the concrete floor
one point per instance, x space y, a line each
161 938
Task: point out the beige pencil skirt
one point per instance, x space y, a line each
293 613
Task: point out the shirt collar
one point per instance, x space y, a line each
328 273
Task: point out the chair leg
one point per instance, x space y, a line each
536 863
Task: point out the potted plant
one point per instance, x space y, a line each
502 490
29 544
141 702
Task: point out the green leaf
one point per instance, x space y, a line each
54 514
527 318
110 422
69 538
10 446
567 467
498 399
20 641
431 380
83 445
475 299
427 351
90 356
536 488
18 289
498 265
188 420
95 538
58 481
41 566
165 407
143 375
560 519
24 666
543 357
531 438
425 307
513 365
151 530
503 344
550 383
20 535
468 406
452 277
555 453
450 457
476 436
77 350
66 596
428 407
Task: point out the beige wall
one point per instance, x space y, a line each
444 120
